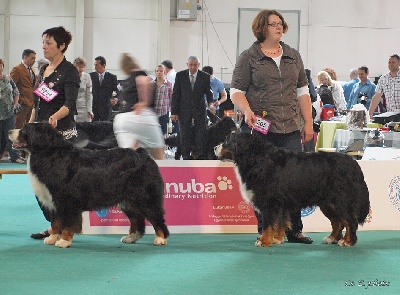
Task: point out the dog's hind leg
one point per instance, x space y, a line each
160 228
350 238
336 234
136 229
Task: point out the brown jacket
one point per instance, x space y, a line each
22 79
271 89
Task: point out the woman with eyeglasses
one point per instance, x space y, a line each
269 81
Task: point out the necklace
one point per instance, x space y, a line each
270 52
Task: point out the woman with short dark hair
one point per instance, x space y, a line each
56 93
270 88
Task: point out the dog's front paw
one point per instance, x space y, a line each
328 240
158 241
61 243
278 241
260 244
343 243
51 240
131 238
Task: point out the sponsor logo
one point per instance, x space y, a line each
308 211
394 192
102 213
197 190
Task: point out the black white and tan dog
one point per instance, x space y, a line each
68 181
278 182
216 134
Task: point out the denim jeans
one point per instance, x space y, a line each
163 120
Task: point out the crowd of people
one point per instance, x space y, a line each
269 85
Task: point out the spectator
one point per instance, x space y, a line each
61 76
85 98
41 62
348 86
24 77
9 96
362 91
309 146
256 92
324 79
137 124
171 73
389 84
218 89
163 98
332 73
188 107
103 86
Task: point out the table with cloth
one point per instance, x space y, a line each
327 133
345 138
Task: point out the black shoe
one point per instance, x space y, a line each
295 239
41 236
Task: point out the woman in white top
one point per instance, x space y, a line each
337 91
85 98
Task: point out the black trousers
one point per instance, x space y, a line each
193 134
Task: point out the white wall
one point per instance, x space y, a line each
341 34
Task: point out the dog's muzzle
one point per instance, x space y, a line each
13 136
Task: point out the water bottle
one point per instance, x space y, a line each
170 126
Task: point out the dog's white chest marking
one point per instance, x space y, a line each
247 195
41 191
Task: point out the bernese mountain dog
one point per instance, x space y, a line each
278 182
216 134
68 181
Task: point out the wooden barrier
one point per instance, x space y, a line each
12 171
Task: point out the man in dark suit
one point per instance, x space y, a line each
191 91
103 86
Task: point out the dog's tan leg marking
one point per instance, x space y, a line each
267 237
67 236
279 236
336 233
55 230
159 240
346 241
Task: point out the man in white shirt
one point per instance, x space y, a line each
171 73
389 84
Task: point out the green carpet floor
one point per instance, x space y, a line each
189 264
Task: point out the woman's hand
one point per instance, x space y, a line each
53 121
138 107
307 133
250 118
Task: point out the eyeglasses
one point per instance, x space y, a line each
274 25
